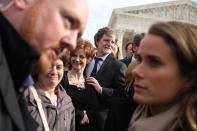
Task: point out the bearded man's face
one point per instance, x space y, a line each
53 26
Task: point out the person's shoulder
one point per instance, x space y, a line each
124 59
28 96
26 92
65 97
115 62
120 63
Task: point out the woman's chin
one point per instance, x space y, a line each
53 84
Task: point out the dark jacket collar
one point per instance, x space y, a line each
20 56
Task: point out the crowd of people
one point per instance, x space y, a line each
51 79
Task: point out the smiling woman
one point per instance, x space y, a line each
165 79
84 97
56 103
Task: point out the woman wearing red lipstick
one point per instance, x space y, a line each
166 79
84 96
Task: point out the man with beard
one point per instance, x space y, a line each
50 27
110 74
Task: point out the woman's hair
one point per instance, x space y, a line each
137 39
87 47
182 39
117 53
129 78
36 70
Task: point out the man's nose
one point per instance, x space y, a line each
69 40
109 44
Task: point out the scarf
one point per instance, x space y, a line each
165 121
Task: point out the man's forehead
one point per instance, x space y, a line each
110 35
77 9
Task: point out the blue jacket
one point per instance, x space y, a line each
126 60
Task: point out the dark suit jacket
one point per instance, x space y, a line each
111 77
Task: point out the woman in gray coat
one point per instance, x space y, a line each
57 105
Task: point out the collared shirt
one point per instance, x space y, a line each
91 65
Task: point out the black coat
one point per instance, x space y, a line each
83 99
121 112
17 59
111 77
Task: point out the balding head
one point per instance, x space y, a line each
53 25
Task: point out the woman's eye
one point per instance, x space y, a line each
154 62
59 67
74 55
82 57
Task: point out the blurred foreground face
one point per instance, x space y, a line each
53 26
157 78
53 76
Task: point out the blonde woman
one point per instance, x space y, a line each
116 52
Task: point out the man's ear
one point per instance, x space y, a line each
21 4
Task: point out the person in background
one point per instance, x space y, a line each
129 81
83 96
57 105
123 108
106 74
166 79
129 78
28 29
129 54
67 60
116 51
136 43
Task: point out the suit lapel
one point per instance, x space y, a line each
85 71
104 65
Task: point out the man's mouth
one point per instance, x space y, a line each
56 53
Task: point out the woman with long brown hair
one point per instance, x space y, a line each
166 79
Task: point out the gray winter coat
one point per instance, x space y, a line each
60 117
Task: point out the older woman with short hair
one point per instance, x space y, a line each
56 104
